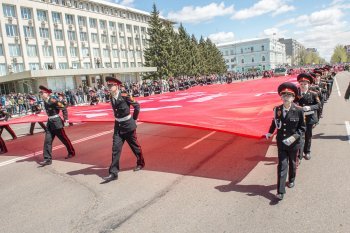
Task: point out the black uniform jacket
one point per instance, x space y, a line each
310 99
291 125
121 108
53 107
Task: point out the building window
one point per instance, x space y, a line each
226 52
125 65
115 53
58 34
116 64
128 28
75 65
112 25
28 31
93 23
96 52
32 51
103 24
106 53
42 16
26 13
113 39
242 61
232 60
2 69
17 67
252 59
47 51
121 27
87 65
131 54
61 51
123 54
48 66
252 49
262 48
263 58
56 17
1 50
104 39
63 65
108 65
132 64
138 54
94 38
72 35
34 66
11 30
73 51
15 50
9 10
130 42
231 52
241 50
139 64
82 21
83 36
85 52
69 19
44 32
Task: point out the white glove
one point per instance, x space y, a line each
306 108
268 135
289 141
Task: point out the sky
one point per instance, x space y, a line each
320 24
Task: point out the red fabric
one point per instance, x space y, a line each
243 108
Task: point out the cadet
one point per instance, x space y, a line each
172 87
157 88
124 128
55 126
36 109
146 90
289 121
310 103
4 116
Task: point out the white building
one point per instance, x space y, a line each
253 54
69 34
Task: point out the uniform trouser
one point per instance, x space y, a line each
308 138
50 135
286 164
32 126
3 147
118 141
9 129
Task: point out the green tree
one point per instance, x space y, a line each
339 54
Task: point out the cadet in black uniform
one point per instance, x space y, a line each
62 98
93 98
36 109
135 91
146 90
172 87
55 126
157 88
124 128
4 116
310 103
290 125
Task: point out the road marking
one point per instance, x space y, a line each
199 140
57 147
336 83
347 126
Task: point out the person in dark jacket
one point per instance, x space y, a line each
124 128
289 122
36 109
55 126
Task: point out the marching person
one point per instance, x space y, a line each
310 103
289 122
55 126
62 98
36 109
124 128
4 116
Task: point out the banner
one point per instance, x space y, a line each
244 108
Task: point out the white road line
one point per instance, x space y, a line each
57 147
347 126
336 83
199 140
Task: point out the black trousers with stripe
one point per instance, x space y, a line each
50 135
9 130
286 165
32 126
118 142
3 148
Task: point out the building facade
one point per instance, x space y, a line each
69 34
293 49
255 54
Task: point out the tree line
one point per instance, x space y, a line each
179 54
340 55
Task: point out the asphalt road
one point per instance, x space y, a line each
194 181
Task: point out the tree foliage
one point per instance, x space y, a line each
176 53
310 58
339 54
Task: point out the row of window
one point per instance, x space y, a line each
12 31
245 50
32 51
42 15
19 67
242 60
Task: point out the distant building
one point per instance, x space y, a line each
314 50
347 48
254 54
293 49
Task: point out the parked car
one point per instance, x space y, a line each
280 72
